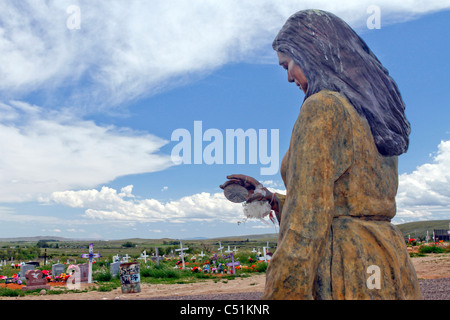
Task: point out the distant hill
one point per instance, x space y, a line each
415 229
418 230
257 237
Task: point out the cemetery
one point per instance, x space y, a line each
101 266
95 270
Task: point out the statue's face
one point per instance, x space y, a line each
295 74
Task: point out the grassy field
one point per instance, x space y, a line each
26 249
71 250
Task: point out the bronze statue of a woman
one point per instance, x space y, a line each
336 240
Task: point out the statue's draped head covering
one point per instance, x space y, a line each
333 57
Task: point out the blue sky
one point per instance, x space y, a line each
87 114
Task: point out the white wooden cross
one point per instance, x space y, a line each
228 251
182 253
220 248
156 257
144 256
235 250
90 255
254 250
265 251
202 254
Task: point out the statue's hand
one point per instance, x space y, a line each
256 191
247 182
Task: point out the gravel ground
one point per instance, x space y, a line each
435 289
432 289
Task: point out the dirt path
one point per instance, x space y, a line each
433 266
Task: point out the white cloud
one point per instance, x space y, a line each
425 193
272 184
131 48
45 151
109 205
429 184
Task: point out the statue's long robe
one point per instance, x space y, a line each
336 240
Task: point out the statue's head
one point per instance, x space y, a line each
333 57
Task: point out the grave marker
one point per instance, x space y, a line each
156 257
57 269
45 257
84 272
23 270
266 256
233 263
114 268
35 280
182 253
220 248
36 264
91 255
144 256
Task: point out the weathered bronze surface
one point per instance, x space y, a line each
236 193
335 217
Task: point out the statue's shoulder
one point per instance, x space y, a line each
326 97
325 102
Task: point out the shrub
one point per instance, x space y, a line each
108 286
430 249
261 267
103 276
128 244
160 272
6 292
